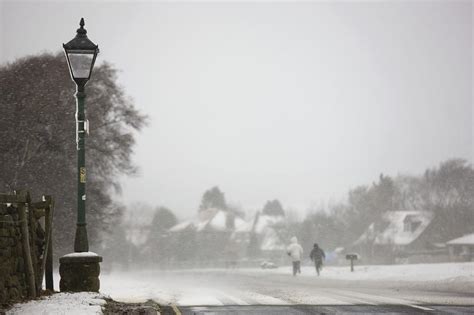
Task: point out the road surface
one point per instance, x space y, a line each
245 292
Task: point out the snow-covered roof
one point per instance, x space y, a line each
218 221
200 225
264 221
463 240
181 226
265 226
212 218
393 231
271 240
242 226
207 214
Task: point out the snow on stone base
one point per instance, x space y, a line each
82 254
83 303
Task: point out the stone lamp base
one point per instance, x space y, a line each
79 272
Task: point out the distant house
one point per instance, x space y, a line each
229 238
210 220
397 236
204 241
462 248
270 236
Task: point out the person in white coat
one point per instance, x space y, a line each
295 251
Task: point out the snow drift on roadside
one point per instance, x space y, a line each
62 304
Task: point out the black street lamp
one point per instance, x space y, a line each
81 54
80 270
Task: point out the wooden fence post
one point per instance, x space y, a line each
27 250
34 247
48 250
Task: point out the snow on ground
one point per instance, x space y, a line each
179 286
409 272
163 287
62 304
209 287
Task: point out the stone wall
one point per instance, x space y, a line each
13 276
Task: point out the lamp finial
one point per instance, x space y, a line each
81 31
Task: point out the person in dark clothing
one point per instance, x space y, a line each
317 255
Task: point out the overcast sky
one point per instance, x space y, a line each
295 101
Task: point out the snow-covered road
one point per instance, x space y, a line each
401 289
412 285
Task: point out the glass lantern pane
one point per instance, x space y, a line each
80 65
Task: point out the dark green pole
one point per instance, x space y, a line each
81 243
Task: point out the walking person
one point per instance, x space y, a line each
317 255
295 251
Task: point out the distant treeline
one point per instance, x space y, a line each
446 190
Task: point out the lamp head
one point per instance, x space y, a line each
81 53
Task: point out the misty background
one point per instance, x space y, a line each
295 101
219 131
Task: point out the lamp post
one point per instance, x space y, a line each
81 54
80 270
